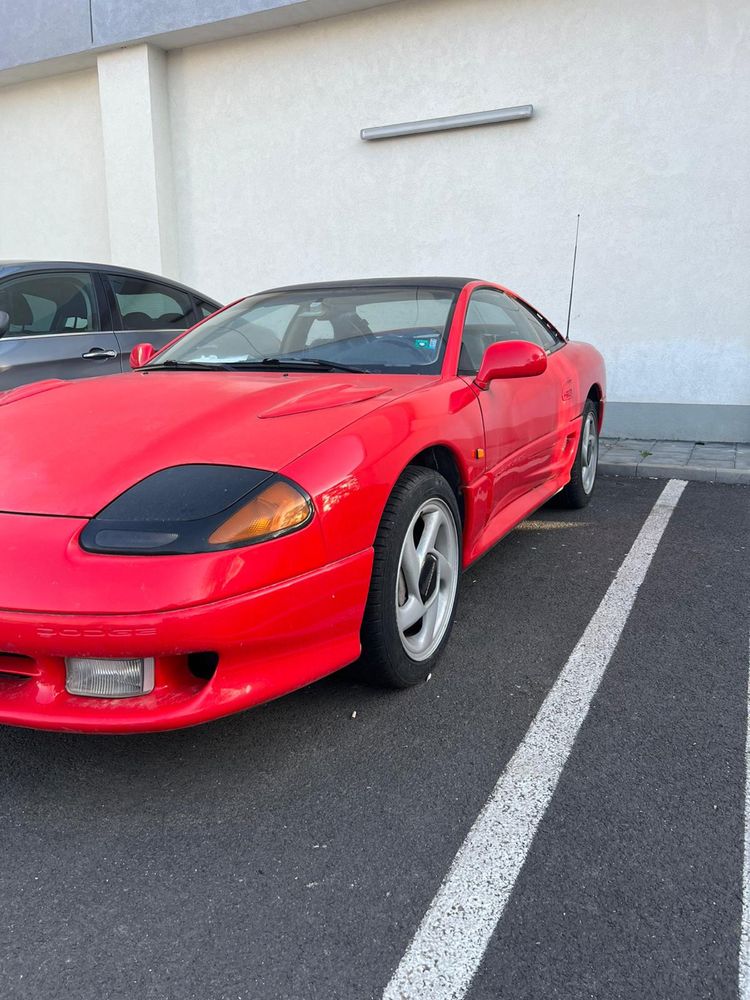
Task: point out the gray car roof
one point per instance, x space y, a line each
8 267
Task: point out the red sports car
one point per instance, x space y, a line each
294 484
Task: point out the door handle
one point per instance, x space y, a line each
98 353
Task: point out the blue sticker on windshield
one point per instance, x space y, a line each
426 343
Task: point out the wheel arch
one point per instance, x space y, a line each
596 396
443 459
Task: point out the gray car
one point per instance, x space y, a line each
71 320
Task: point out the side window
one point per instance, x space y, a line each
204 309
492 316
50 302
148 305
545 336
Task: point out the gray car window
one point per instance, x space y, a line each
205 309
148 305
51 302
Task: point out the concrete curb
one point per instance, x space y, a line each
696 473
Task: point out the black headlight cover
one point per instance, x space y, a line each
174 511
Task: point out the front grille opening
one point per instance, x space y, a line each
13 666
203 665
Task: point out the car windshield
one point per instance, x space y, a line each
370 329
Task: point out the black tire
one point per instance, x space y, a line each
575 494
384 660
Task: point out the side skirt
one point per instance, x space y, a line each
506 519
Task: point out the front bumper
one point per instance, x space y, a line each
269 641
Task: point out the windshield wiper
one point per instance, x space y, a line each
294 364
321 363
201 366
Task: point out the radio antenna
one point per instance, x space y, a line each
572 277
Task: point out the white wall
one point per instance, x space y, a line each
640 124
138 158
52 194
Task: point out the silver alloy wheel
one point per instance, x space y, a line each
589 453
427 579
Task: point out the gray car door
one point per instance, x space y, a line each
55 329
144 310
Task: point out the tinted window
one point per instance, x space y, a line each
397 329
205 309
52 302
493 316
148 305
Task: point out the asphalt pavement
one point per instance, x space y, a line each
291 853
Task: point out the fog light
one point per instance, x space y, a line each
109 678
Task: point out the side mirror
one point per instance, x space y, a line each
510 359
4 322
141 355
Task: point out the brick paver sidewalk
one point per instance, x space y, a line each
711 462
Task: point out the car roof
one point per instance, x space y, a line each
452 284
8 267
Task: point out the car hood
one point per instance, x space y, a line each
70 448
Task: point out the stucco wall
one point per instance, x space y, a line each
52 193
635 126
640 124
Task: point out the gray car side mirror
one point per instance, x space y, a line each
4 322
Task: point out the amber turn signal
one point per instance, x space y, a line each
275 510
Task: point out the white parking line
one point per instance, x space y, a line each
453 936
744 989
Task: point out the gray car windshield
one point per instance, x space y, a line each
375 329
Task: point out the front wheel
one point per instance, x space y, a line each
579 490
412 600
